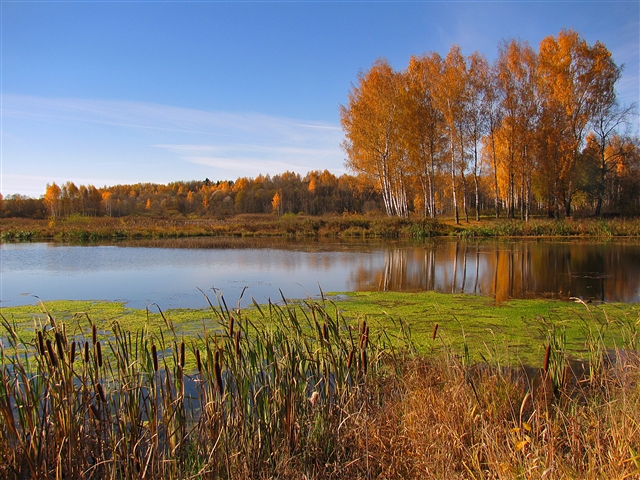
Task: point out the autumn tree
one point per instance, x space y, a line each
450 88
52 199
517 80
424 126
276 203
608 118
577 82
372 122
481 120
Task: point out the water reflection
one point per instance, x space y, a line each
172 277
596 271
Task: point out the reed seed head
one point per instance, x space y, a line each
41 343
99 354
72 353
435 332
101 394
59 345
547 354
52 354
218 372
86 352
182 354
313 399
94 334
350 361
198 361
237 343
154 356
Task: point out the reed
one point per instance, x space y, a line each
295 390
134 405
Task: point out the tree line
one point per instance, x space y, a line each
534 131
316 193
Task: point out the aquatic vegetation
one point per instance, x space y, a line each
295 390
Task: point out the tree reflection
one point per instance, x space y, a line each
504 270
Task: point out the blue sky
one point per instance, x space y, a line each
123 92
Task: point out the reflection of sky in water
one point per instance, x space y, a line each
171 277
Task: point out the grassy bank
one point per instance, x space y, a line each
86 229
320 390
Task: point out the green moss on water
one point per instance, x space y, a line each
78 317
511 332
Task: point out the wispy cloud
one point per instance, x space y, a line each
152 116
95 135
261 158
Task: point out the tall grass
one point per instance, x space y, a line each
241 400
304 393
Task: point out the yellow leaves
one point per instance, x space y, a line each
276 202
521 439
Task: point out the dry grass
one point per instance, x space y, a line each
453 422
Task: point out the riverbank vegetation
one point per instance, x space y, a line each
90 229
316 389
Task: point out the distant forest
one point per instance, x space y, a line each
316 193
534 133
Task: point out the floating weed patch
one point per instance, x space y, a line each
517 328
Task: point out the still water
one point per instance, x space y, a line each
174 274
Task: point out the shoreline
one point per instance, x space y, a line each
93 229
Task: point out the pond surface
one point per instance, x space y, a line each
172 273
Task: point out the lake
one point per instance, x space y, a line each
172 273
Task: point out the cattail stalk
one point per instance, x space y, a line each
154 356
41 343
52 354
99 354
96 412
101 394
218 372
59 345
72 353
547 354
350 361
198 361
237 344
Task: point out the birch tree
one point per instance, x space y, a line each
372 122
